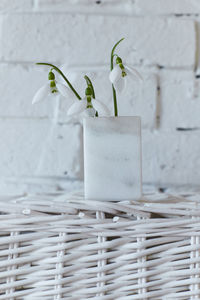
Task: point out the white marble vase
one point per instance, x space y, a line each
112 158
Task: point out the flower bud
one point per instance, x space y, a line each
121 66
89 106
89 100
124 73
88 91
118 60
51 76
52 84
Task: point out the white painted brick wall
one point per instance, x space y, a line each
36 147
162 42
71 38
163 7
172 159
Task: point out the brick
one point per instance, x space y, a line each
164 7
171 159
34 148
42 184
118 7
141 99
197 65
137 7
60 37
180 100
15 6
62 154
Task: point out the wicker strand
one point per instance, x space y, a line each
53 247
12 267
197 266
101 263
59 266
193 265
141 271
195 240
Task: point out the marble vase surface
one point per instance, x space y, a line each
112 158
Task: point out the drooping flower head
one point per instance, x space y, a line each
52 87
120 73
88 106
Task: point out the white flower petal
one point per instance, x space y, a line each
89 112
64 90
41 94
100 107
77 107
132 72
115 74
120 84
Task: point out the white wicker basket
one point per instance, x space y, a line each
64 247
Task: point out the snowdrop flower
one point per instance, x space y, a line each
119 74
88 106
89 112
51 87
82 106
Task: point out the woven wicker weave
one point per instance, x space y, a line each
64 247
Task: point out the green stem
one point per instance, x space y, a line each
115 101
89 83
112 53
64 77
111 68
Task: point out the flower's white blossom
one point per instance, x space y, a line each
89 112
81 107
119 75
49 89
